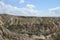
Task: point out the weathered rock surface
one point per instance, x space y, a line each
29 28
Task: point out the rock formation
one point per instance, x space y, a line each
29 28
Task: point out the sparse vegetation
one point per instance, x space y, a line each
31 26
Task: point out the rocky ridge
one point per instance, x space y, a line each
29 28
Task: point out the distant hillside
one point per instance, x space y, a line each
29 28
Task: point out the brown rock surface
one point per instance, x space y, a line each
29 28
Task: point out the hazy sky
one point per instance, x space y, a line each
31 7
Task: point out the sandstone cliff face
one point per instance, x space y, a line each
29 28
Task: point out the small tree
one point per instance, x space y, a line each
7 23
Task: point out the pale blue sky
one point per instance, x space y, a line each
46 7
40 4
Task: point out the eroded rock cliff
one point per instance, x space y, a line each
29 28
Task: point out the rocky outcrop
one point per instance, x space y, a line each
29 28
